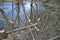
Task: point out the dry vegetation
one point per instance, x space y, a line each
41 24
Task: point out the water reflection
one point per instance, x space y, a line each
7 7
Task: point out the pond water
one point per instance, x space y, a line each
7 7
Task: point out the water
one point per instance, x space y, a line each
7 7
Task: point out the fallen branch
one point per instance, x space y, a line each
21 28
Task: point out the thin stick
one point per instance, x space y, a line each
54 37
32 25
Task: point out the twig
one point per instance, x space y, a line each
31 33
54 37
51 5
32 25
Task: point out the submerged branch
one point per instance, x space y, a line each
9 22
